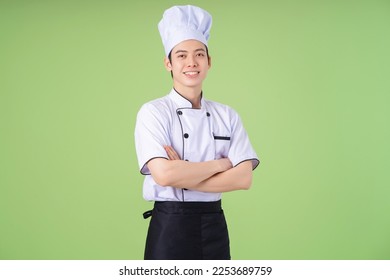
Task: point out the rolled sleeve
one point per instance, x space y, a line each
240 147
151 134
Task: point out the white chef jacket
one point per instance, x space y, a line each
212 132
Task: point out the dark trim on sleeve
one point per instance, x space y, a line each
251 159
147 163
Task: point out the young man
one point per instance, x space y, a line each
190 149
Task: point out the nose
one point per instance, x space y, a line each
191 61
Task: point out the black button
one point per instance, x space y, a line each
186 135
208 114
185 189
186 159
179 112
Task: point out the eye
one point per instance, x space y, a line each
200 54
181 56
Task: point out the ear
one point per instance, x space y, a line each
209 59
167 64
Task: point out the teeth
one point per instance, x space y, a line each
191 73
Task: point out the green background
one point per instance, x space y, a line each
310 80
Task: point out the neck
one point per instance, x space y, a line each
193 94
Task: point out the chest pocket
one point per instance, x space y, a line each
222 145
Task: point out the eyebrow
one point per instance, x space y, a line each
184 51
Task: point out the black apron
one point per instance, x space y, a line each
187 231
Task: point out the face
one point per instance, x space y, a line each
189 64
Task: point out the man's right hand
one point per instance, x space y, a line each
225 164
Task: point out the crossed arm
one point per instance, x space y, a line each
209 176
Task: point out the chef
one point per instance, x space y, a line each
190 149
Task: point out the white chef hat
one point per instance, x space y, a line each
180 23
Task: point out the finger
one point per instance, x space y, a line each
172 155
169 153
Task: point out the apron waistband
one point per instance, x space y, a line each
185 207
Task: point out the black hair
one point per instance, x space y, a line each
170 61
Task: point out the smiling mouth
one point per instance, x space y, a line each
191 73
